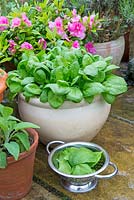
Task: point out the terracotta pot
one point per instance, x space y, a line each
71 122
3 77
16 179
113 48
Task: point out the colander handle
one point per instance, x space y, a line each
109 175
53 142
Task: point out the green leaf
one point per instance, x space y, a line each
101 65
89 99
5 60
24 139
74 81
83 155
22 68
5 111
64 167
40 75
27 80
3 160
44 96
74 69
15 87
99 77
13 149
24 125
12 118
28 95
91 70
58 89
50 34
32 88
82 169
75 95
115 85
92 89
59 73
87 60
108 60
63 83
111 67
55 100
3 125
109 98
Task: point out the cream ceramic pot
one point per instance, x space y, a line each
71 122
114 48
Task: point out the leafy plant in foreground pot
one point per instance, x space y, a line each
65 74
62 77
17 152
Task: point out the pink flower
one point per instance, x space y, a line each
85 18
12 45
42 42
16 22
76 44
3 23
90 48
26 20
58 23
76 18
51 25
77 29
74 12
26 45
91 20
38 8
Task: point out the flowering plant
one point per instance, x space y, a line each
34 27
76 30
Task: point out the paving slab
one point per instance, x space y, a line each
123 108
40 193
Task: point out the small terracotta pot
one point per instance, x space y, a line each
3 77
16 179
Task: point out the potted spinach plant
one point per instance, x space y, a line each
17 152
66 91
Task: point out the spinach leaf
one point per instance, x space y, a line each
82 169
75 95
55 100
115 85
76 160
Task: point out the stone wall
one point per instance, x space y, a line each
131 43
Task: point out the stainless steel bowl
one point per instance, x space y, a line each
80 183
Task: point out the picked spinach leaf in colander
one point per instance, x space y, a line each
77 160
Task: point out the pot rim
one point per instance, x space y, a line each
32 132
114 42
66 105
79 143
